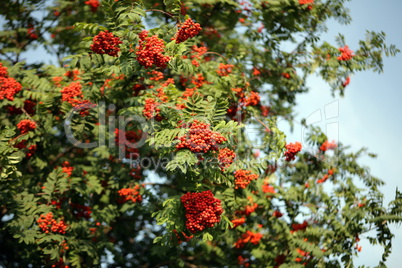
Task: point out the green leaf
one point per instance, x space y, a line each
207 237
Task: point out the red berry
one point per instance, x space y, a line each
26 125
243 178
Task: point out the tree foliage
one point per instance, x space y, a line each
135 150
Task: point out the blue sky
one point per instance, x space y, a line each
370 114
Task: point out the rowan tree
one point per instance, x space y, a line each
134 151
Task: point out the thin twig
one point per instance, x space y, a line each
166 13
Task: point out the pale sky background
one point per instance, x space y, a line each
370 114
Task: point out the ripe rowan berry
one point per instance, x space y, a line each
151 109
3 71
26 125
328 146
248 209
253 99
200 138
48 224
202 210
266 188
106 43
224 69
243 261
244 178
8 87
132 194
346 55
248 237
149 51
66 168
187 30
94 4
238 222
292 150
225 158
299 226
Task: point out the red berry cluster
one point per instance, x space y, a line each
149 51
248 237
328 146
106 43
299 227
3 71
72 93
187 30
307 2
29 107
224 69
31 33
253 99
72 74
198 52
266 188
94 4
238 222
243 178
22 145
200 138
81 211
123 138
57 203
151 109
66 168
132 194
292 150
48 224
225 158
60 264
26 125
347 54
156 75
256 71
127 141
248 209
202 210
8 85
245 262
31 151
305 254
326 176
